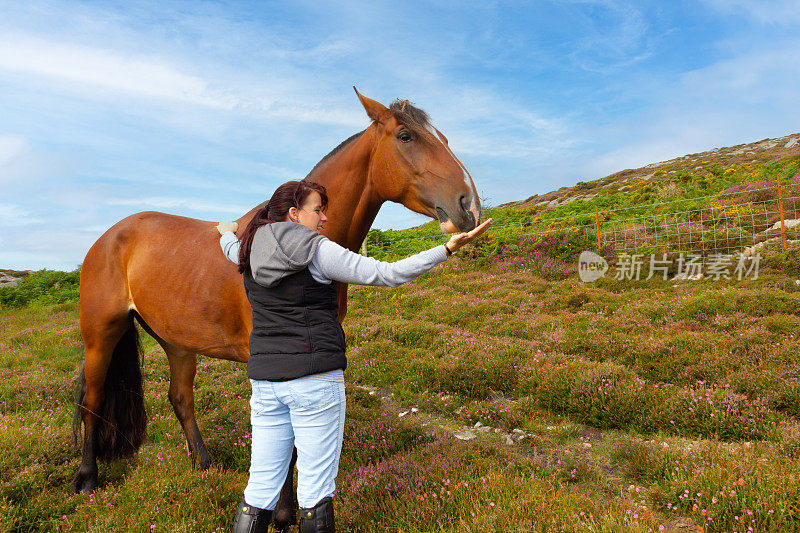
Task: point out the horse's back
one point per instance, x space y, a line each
171 270
138 238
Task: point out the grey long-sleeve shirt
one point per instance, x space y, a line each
332 262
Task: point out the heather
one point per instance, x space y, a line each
592 405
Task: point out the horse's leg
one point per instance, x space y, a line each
100 343
285 513
182 369
89 404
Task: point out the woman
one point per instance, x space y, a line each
297 347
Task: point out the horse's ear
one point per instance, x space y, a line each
375 110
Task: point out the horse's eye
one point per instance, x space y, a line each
405 137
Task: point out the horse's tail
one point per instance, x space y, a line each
122 420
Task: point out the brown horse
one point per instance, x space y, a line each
169 273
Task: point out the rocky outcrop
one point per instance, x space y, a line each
9 278
8 281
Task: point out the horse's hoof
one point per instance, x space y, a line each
203 462
85 483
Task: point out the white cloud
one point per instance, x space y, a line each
13 215
111 72
611 36
774 12
11 147
44 247
760 75
480 123
146 76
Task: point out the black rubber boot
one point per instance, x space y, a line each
318 519
251 519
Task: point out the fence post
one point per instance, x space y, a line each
597 224
780 203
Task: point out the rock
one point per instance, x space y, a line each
478 424
789 223
465 435
484 429
518 431
414 410
752 250
587 445
792 142
683 525
8 281
508 440
401 415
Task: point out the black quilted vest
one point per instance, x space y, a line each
295 331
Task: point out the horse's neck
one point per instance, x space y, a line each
353 203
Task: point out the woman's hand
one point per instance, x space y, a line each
222 227
460 239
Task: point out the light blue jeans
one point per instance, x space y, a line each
307 413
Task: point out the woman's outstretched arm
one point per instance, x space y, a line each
334 262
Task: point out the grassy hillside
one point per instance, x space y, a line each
704 191
496 393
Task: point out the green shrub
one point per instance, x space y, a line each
42 287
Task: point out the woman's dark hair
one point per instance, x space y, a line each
290 194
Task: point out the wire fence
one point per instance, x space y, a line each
744 217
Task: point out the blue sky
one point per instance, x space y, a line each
203 108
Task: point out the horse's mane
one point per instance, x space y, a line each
413 118
337 149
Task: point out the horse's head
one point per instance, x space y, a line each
412 164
